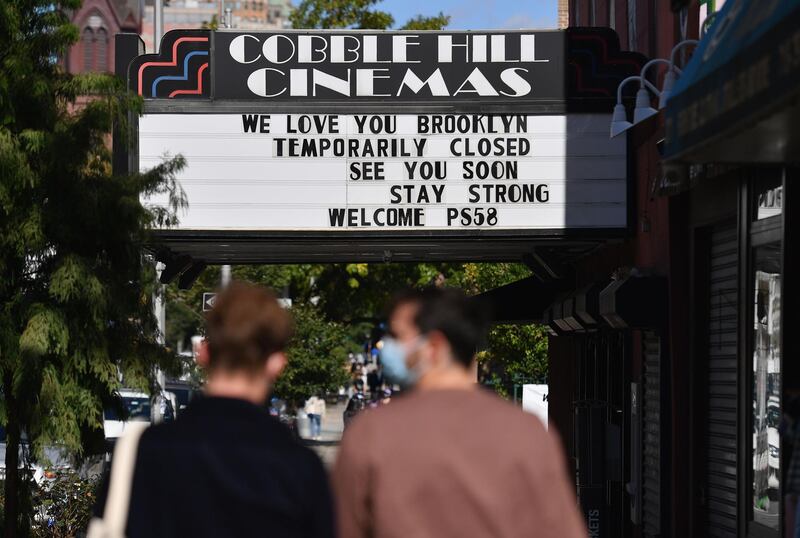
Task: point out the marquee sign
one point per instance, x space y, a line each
425 135
341 66
393 172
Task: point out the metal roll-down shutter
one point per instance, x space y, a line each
720 495
651 436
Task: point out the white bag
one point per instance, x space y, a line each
115 514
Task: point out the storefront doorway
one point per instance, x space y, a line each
739 255
765 355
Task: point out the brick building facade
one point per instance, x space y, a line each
98 21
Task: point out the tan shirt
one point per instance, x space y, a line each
460 463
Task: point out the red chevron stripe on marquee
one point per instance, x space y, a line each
173 62
196 91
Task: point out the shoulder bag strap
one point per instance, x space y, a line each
115 515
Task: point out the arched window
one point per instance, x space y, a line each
101 50
87 42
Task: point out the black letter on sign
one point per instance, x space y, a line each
474 194
452 214
249 122
355 172
396 196
337 216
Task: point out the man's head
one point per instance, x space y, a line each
246 334
437 329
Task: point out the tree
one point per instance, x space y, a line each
513 352
320 347
356 295
76 291
420 22
184 307
361 291
213 24
357 14
317 357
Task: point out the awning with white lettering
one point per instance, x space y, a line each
736 100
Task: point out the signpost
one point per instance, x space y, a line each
208 301
535 400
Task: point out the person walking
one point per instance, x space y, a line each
374 381
448 458
225 467
315 409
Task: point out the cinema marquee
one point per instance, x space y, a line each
366 145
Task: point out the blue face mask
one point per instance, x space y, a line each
393 360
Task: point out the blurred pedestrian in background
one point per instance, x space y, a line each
315 409
448 458
358 381
225 467
374 381
355 405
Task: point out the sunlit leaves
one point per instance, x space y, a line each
45 333
73 280
317 357
514 352
356 14
420 22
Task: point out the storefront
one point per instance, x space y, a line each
731 146
738 230
610 344
678 360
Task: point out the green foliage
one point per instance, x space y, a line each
64 506
421 22
184 307
356 295
361 291
514 352
317 357
320 347
345 292
213 24
480 277
356 14
352 292
28 489
75 297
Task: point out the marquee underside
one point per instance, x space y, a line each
258 248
